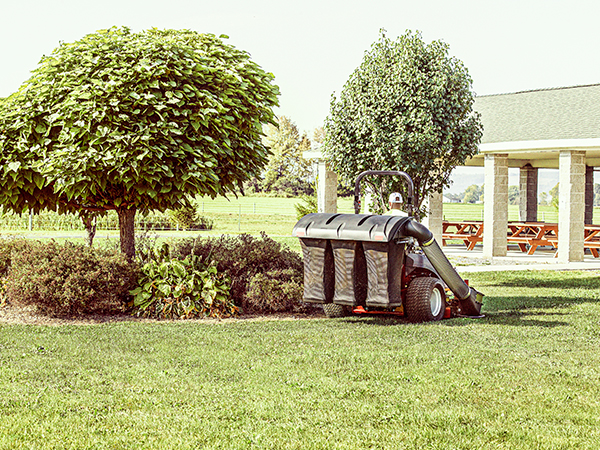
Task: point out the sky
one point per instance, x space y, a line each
312 46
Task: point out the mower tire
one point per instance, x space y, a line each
425 300
333 310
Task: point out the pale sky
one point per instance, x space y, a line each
313 46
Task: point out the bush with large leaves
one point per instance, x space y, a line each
265 275
134 122
182 289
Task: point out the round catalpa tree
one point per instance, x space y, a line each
135 122
409 107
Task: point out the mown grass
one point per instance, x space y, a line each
527 376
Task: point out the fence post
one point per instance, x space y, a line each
30 220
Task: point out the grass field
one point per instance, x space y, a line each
527 376
254 214
276 216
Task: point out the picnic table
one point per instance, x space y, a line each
527 235
591 239
530 235
470 232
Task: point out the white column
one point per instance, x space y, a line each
326 189
571 205
495 205
435 215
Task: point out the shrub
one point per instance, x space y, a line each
308 205
242 258
7 246
275 291
69 279
182 289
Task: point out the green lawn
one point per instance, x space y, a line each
527 376
274 215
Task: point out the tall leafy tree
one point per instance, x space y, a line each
134 122
472 194
408 106
286 170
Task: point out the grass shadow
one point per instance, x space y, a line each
541 279
514 318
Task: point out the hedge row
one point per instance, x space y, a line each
191 278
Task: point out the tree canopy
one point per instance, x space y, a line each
408 106
473 194
287 171
134 121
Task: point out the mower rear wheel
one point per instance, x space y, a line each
333 310
425 300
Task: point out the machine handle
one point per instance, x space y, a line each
407 178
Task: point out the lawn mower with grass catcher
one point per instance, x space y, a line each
380 264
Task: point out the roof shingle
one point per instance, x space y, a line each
545 114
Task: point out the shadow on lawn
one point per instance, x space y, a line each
516 318
511 318
529 298
542 279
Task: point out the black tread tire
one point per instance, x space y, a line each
333 310
417 306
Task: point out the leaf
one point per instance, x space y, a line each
14 166
163 269
39 180
178 269
165 289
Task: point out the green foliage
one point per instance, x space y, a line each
513 195
242 258
275 291
408 106
287 171
308 204
554 197
69 279
123 120
473 194
187 218
182 289
7 247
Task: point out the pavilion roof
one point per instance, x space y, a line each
544 114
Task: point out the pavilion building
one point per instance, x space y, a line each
555 128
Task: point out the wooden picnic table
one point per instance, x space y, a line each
470 232
530 235
591 239
527 235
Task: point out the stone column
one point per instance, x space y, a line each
495 205
571 205
435 215
589 195
326 189
528 187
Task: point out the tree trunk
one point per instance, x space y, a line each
89 222
127 231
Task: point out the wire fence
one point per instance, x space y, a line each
236 212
